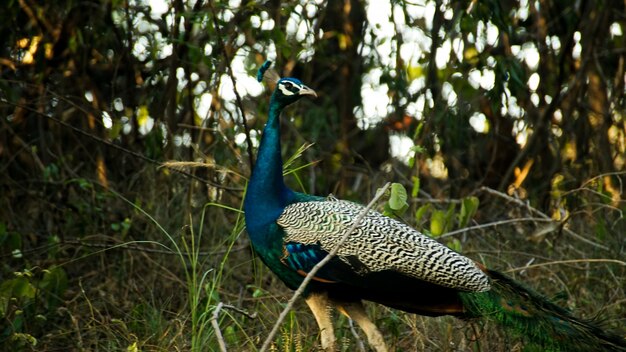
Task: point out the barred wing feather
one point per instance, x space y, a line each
379 243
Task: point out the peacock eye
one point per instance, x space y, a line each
288 85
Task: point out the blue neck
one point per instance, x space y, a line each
267 194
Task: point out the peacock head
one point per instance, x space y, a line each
288 90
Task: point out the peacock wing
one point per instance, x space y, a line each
378 244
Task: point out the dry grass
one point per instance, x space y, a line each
128 287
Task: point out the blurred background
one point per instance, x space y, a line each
126 127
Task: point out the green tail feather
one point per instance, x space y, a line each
533 317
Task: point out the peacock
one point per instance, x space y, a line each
384 260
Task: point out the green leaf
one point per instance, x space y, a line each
50 172
116 129
20 338
418 149
231 336
53 242
22 288
387 211
437 223
454 244
132 347
469 206
421 211
54 283
417 134
397 200
449 216
416 187
19 287
414 72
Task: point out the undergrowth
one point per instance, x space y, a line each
138 269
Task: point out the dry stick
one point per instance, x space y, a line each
319 265
216 325
615 173
359 343
568 262
533 210
493 224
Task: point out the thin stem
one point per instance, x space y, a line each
570 261
494 224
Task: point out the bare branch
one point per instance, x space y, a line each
494 224
216 325
540 214
556 262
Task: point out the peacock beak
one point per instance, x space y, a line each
307 91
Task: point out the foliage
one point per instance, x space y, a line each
123 157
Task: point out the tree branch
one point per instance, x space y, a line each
540 214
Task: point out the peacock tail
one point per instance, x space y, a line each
530 315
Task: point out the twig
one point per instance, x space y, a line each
616 173
216 325
319 265
540 214
569 261
493 224
180 165
240 311
359 342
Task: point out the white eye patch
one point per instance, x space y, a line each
289 91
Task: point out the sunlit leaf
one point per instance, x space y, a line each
416 187
437 223
133 347
414 72
142 115
398 197
469 206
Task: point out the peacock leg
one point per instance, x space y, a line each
356 312
320 306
